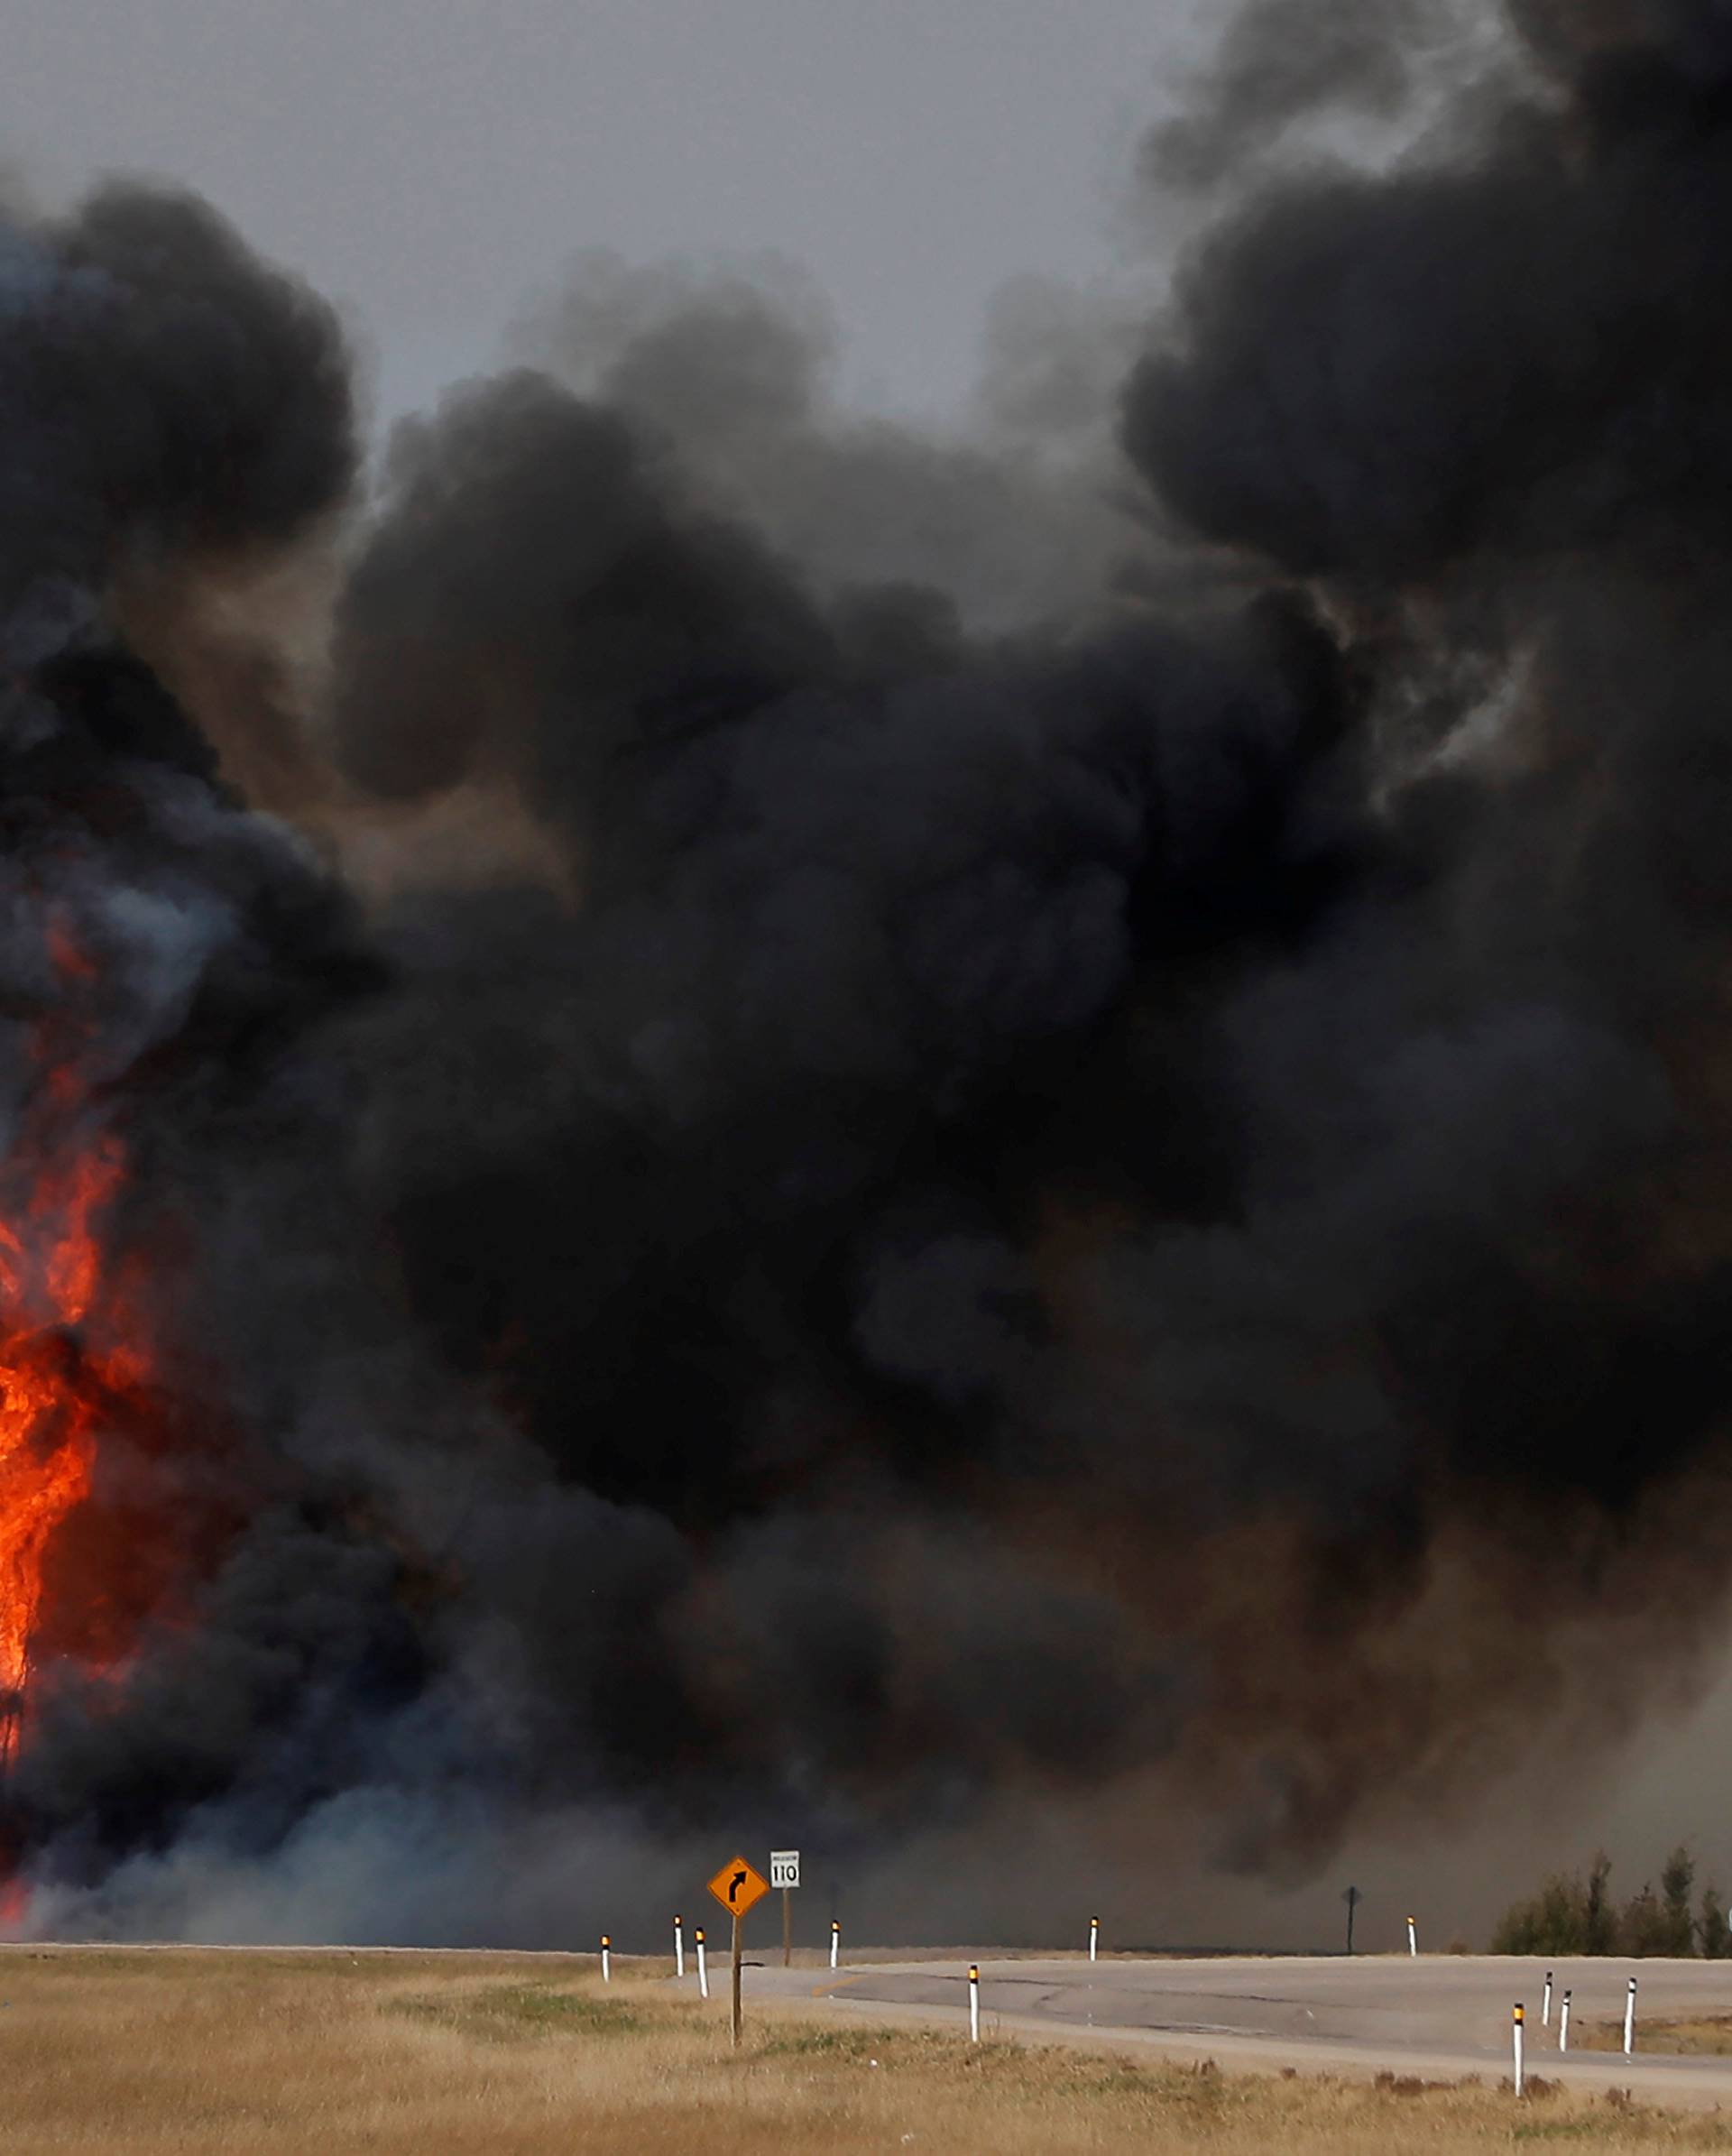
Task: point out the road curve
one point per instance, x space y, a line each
1438 2017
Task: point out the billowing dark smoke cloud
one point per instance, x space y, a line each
1281 61
982 1189
162 391
1016 521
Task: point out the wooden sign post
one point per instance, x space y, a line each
738 1887
785 1872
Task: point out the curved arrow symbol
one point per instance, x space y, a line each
735 1883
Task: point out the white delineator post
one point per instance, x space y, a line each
1563 2024
606 1973
703 1967
679 1948
1517 2030
836 1941
1094 1937
1545 2009
1629 2020
1413 1937
974 2003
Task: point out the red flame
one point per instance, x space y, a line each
84 1566
55 1384
50 1393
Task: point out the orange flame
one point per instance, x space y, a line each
52 1387
50 1393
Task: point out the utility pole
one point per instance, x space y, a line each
1352 1897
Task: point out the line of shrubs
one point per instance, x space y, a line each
1574 1913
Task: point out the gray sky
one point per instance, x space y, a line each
428 163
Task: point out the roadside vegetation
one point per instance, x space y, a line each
1694 2036
266 2054
1574 1913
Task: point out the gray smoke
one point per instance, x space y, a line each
1025 517
1282 62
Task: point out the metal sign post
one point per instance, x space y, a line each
785 1872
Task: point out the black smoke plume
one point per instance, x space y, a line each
901 1192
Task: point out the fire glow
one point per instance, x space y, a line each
57 1385
51 1395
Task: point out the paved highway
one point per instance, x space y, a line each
1439 2017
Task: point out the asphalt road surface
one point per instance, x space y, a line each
1437 2017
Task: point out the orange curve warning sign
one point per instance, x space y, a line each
737 1886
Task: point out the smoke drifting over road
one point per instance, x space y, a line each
999 1114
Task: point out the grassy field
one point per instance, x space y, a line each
241 2052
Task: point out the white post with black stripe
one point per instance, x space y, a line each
1413 1938
1563 2024
973 2001
1094 1938
1545 2009
1629 2019
1519 2032
679 1948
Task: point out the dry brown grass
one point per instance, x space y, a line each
246 2053
1700 2035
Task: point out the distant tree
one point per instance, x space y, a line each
1517 1930
1598 1926
1562 1911
1677 1881
1555 1920
1523 1927
1642 1928
1352 1897
1712 1927
1573 1913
